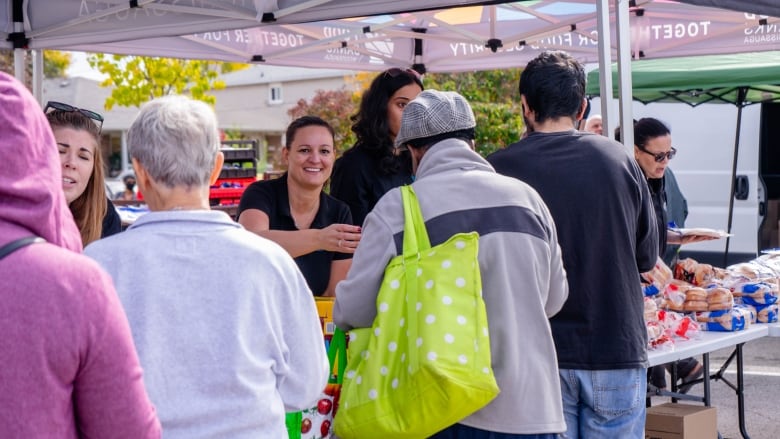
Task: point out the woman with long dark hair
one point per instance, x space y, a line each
373 166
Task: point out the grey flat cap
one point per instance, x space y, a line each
432 113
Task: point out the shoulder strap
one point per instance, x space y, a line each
415 234
19 243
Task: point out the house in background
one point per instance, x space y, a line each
255 101
253 106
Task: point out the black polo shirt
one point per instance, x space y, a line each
271 197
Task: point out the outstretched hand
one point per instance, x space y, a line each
341 238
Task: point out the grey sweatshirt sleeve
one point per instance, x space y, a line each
559 284
355 305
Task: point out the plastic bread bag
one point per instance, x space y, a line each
719 298
674 295
660 276
771 262
693 272
654 332
752 270
678 325
759 293
722 321
662 343
650 290
749 311
767 313
746 314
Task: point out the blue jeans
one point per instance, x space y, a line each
460 431
604 403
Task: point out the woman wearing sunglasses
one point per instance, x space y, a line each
653 150
77 132
372 167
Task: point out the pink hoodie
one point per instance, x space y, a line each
68 367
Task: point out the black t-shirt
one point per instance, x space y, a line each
358 181
112 224
271 197
599 199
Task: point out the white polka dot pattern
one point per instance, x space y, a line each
442 324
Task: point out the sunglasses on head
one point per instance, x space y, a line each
395 71
661 156
59 106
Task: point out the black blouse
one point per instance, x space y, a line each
271 197
357 181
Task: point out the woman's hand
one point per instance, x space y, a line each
341 238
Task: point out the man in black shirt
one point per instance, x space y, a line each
602 209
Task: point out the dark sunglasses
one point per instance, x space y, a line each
661 156
395 71
68 108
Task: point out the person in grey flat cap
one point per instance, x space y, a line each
523 279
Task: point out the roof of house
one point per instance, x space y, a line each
88 94
265 74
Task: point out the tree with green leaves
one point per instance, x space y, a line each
137 79
495 100
493 96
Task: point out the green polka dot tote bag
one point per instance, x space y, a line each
425 363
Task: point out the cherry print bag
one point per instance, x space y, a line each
425 363
317 422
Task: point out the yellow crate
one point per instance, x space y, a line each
325 310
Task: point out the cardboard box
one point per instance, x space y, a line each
681 421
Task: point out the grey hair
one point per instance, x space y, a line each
176 139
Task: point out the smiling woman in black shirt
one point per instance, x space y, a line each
315 228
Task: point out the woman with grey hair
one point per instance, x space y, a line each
226 328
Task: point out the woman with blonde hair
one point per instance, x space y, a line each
77 132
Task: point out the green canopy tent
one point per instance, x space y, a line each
739 79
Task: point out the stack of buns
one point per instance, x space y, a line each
695 300
719 299
651 310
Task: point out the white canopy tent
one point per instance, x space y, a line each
314 33
44 24
487 36
467 38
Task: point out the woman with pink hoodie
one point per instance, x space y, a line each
69 367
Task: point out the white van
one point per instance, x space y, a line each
704 138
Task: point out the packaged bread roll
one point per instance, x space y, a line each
695 300
719 299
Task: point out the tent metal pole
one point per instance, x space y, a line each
605 66
741 96
20 55
37 75
625 93
20 62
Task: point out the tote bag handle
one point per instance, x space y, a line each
415 241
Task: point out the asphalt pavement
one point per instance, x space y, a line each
762 390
